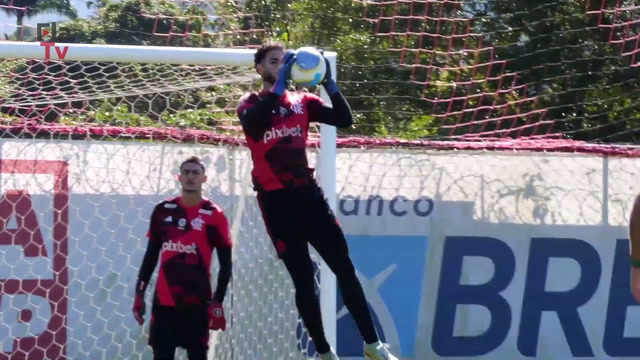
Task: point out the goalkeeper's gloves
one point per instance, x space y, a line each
216 316
139 307
329 84
285 72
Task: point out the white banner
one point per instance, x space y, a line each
462 255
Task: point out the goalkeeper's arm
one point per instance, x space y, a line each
634 233
339 115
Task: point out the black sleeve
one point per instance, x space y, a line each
150 259
339 115
149 263
259 112
224 274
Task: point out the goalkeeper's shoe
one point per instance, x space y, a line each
377 351
331 355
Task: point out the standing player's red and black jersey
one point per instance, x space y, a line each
183 239
276 129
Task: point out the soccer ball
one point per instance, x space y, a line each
309 68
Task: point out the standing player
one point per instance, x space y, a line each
183 232
295 211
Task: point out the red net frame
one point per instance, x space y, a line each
454 38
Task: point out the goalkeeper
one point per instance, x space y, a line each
275 123
183 232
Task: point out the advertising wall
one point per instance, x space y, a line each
513 256
462 255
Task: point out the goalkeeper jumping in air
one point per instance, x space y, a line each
275 122
183 232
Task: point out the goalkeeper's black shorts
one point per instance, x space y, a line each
187 328
300 215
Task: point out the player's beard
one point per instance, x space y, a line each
269 78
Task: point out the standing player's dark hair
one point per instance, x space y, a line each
193 160
264 50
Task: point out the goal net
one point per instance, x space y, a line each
88 149
478 118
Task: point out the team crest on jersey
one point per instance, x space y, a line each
296 107
196 223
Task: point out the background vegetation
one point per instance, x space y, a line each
410 69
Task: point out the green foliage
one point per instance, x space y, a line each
28 8
139 22
567 61
527 61
131 90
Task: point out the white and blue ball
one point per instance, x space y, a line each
309 68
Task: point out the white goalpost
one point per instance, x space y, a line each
113 184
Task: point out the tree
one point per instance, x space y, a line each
567 61
411 69
22 9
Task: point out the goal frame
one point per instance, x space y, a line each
326 160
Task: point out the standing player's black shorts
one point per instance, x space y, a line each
187 328
296 216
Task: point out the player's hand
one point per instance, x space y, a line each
139 308
216 317
329 84
635 283
285 72
288 59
